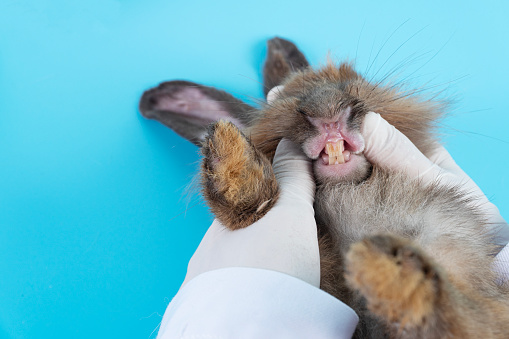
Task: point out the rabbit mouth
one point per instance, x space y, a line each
336 148
335 141
339 159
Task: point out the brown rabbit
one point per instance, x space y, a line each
413 261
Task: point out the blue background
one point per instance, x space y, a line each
97 222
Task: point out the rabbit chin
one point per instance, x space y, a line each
355 170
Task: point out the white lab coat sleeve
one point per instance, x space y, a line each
254 303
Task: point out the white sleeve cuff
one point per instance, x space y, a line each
255 303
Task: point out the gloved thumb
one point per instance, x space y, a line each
389 148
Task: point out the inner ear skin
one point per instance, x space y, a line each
188 108
184 97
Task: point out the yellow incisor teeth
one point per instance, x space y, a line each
335 152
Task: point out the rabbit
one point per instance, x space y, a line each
412 260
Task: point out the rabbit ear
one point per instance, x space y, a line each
283 58
188 108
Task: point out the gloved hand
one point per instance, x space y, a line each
284 240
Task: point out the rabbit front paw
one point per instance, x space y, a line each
238 182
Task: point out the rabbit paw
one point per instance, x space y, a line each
238 182
398 282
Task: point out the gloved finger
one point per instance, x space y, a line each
389 148
293 172
273 93
443 159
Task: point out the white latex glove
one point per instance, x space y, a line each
284 240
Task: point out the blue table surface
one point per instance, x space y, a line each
97 217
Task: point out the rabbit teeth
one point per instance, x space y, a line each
335 152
